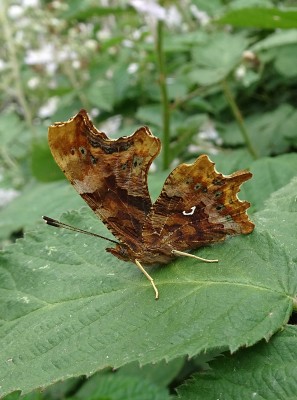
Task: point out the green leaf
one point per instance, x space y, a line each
276 39
101 94
290 127
15 146
150 114
160 374
214 60
37 200
267 131
43 165
229 161
258 17
282 204
115 386
266 371
269 175
82 11
68 308
184 41
286 61
11 128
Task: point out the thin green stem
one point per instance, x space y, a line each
239 119
69 72
164 94
191 95
14 63
295 304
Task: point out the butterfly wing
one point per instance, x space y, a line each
110 175
197 206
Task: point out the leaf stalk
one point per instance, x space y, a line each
15 68
164 94
239 119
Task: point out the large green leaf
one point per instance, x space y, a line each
43 165
160 374
214 60
119 387
101 94
276 39
266 371
68 308
265 18
282 204
269 175
268 132
286 61
37 200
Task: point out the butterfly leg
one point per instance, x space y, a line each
182 253
148 277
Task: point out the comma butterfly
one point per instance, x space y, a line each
197 206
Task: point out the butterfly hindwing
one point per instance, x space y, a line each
197 206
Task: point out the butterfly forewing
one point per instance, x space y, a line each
110 175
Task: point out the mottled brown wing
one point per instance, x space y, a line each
110 175
196 207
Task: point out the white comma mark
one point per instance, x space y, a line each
190 212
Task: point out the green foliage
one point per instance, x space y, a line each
267 371
78 323
113 316
265 18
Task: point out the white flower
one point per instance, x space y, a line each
103 34
30 3
132 68
49 56
91 44
111 125
15 11
33 82
128 43
94 112
3 65
48 108
76 64
209 132
201 16
173 17
43 55
240 72
150 8
7 195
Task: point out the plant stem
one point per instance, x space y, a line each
69 72
191 95
295 304
239 119
13 60
164 94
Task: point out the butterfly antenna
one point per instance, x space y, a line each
183 254
59 224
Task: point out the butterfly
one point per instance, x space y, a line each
197 206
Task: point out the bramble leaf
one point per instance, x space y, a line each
266 371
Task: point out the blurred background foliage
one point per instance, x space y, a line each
216 77
205 76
